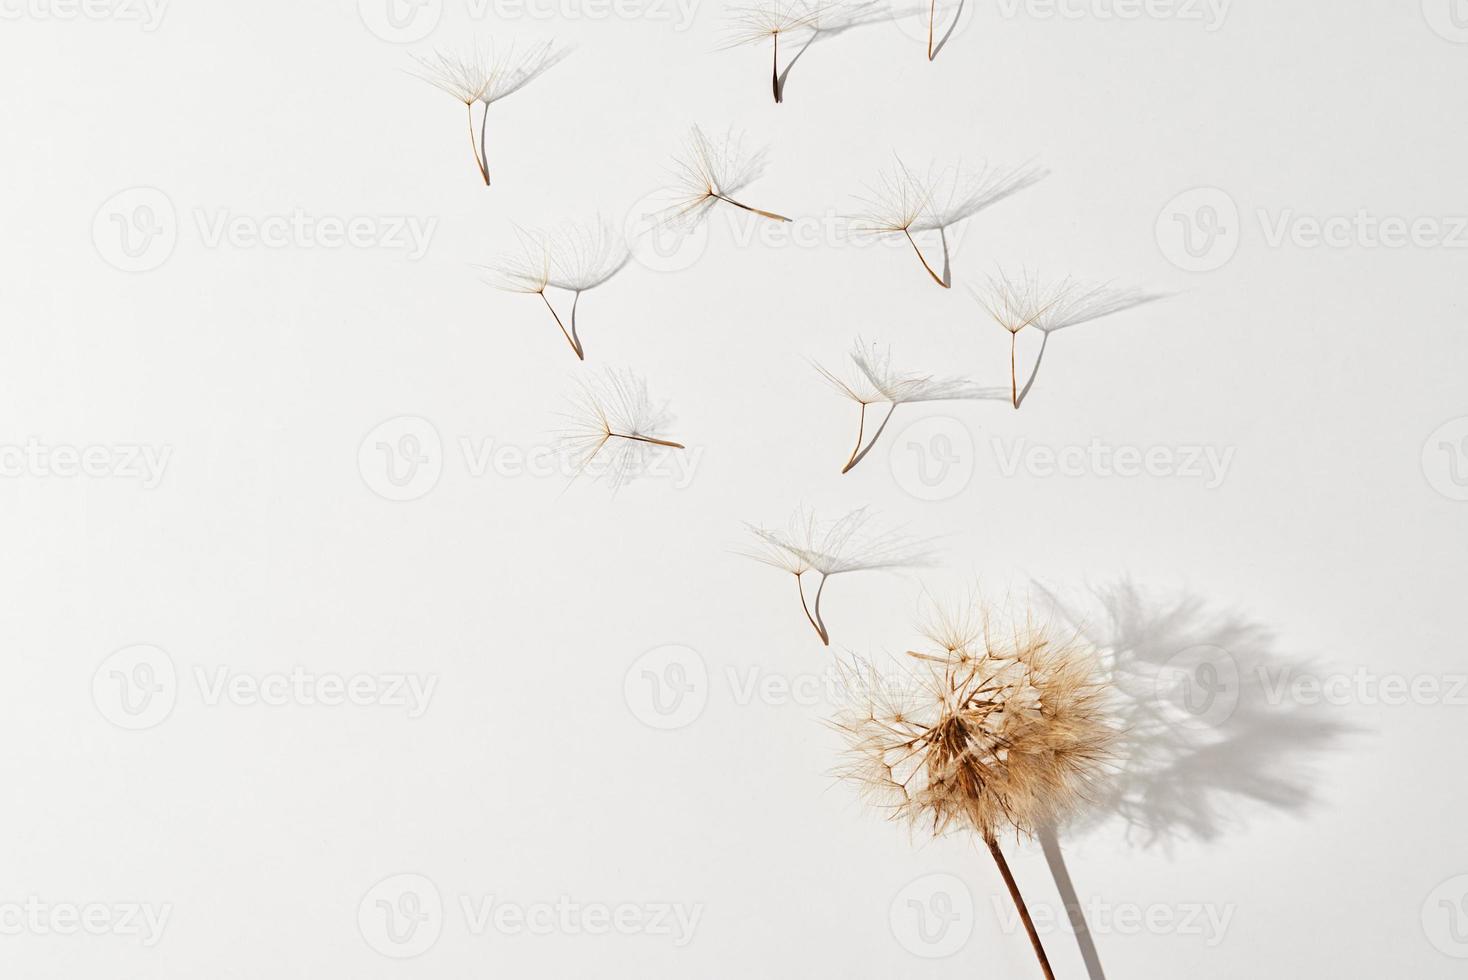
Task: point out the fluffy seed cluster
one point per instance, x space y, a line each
993 728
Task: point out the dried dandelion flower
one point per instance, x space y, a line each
876 382
903 202
485 78
844 546
617 426
575 258
994 727
712 170
766 21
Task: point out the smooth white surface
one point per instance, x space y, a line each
529 776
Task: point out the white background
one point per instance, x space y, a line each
1325 370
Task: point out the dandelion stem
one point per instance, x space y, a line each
478 160
766 214
574 346
932 12
815 620
875 436
650 439
1013 378
1019 902
936 278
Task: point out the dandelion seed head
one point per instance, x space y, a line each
527 270
904 200
583 257
611 416
1076 302
707 169
875 380
486 75
849 544
998 727
771 18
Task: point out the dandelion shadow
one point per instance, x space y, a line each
1066 305
845 19
1207 739
784 76
953 26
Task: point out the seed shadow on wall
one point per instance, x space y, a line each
1083 308
837 21
1211 738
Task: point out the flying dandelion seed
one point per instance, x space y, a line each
997 725
768 21
575 258
1025 300
1015 303
615 429
844 546
710 171
876 382
485 78
901 201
